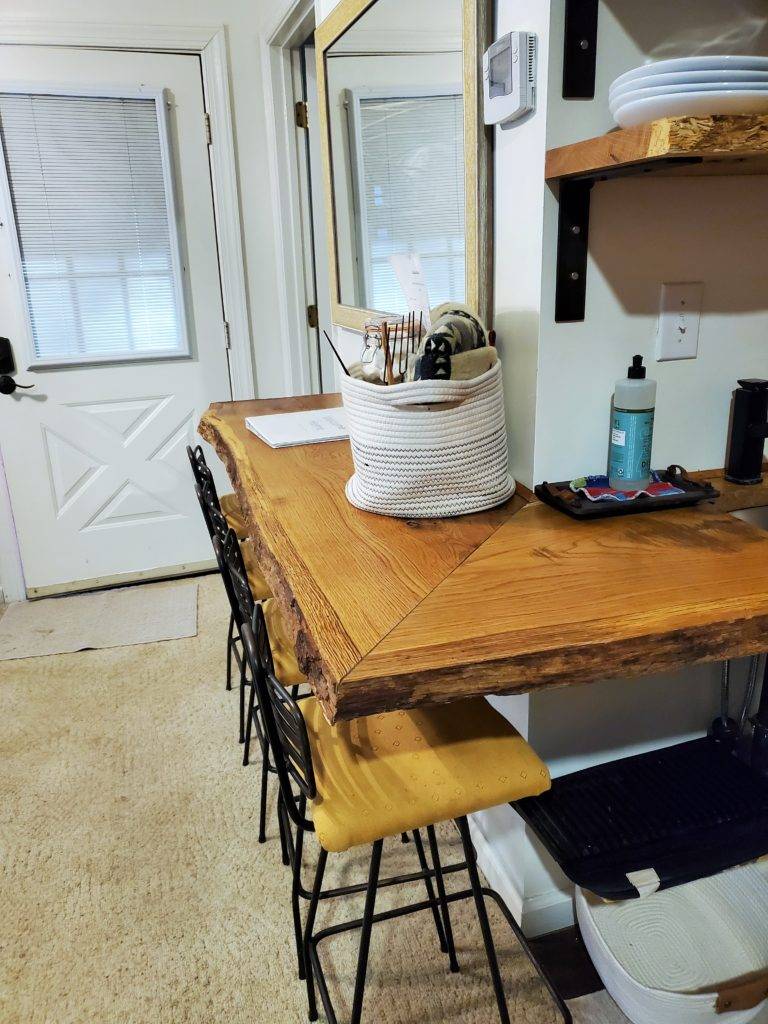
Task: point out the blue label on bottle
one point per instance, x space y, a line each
631 439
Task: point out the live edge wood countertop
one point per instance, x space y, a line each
390 613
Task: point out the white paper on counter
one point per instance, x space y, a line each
283 430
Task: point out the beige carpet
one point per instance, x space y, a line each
132 886
106 618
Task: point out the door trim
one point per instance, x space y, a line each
210 44
293 27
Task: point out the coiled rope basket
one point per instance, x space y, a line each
427 449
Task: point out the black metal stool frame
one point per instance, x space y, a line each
229 558
287 735
204 483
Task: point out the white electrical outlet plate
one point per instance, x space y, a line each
678 331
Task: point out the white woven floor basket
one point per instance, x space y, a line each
428 448
663 957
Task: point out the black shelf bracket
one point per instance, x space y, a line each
580 53
573 232
572 249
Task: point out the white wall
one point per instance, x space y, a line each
644 232
403 25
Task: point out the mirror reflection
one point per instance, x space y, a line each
396 122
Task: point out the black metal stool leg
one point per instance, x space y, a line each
230 635
242 701
249 724
263 802
295 886
482 916
454 964
365 934
312 913
430 891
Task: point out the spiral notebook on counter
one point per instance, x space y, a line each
282 430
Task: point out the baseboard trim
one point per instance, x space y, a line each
494 870
539 914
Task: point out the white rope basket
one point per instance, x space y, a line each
428 448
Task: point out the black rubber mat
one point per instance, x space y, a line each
686 811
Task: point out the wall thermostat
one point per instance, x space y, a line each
509 78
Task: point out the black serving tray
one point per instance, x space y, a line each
688 811
578 506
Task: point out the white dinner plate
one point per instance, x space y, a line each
714 63
683 78
676 90
691 104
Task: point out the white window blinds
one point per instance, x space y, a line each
90 190
411 195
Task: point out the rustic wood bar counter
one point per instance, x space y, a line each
390 613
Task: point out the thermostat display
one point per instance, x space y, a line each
509 78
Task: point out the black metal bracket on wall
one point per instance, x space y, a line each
580 52
573 232
572 249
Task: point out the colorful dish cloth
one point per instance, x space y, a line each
598 488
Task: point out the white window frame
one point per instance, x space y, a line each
353 98
178 267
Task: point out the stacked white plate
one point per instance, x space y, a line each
690 86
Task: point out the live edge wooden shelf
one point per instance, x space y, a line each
689 146
388 613
679 145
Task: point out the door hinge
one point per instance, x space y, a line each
313 318
302 114
208 136
227 337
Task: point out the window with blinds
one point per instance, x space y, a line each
90 188
410 194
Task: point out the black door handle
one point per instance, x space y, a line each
8 385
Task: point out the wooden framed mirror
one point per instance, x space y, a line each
407 159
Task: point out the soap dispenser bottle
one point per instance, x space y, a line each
634 404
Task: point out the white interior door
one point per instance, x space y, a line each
110 295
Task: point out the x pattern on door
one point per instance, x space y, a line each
114 463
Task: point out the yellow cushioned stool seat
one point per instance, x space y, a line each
391 773
283 652
230 506
259 586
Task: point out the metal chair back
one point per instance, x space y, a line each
286 729
234 565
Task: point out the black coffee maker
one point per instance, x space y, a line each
747 432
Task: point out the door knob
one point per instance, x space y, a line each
8 385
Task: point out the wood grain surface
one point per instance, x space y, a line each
388 613
344 578
722 144
548 601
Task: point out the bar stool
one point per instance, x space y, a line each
282 655
376 777
217 522
228 503
229 556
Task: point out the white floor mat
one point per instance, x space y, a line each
109 618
